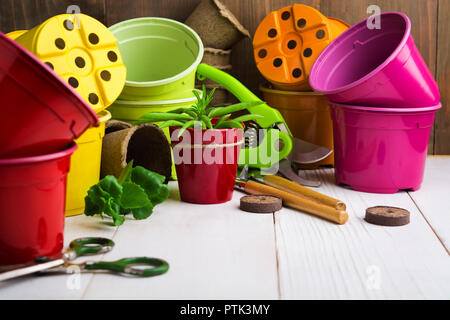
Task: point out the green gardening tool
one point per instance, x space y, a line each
267 139
91 246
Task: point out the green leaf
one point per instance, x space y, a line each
140 192
110 186
94 201
125 175
248 117
220 111
118 220
133 196
207 122
221 120
99 201
189 111
199 103
90 207
193 114
181 110
197 95
210 96
152 183
203 92
112 209
152 117
185 126
171 123
230 124
205 99
143 213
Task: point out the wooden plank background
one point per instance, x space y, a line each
430 21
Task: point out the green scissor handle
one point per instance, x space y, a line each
126 266
91 246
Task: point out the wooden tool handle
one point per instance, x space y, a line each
299 203
292 187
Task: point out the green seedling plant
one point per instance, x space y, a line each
136 191
201 115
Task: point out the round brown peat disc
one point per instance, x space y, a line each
261 203
387 216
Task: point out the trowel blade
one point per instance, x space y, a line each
288 172
304 152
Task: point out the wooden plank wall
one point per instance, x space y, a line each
430 21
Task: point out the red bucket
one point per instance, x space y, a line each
32 201
39 112
206 163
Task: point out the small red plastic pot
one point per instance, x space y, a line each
206 163
32 201
39 112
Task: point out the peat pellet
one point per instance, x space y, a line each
261 203
387 216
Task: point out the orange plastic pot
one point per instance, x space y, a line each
288 42
307 115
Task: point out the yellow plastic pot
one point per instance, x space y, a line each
307 115
131 111
288 41
83 52
15 34
85 166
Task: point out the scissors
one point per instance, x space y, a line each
92 246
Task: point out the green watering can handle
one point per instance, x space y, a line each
127 266
270 115
241 92
233 85
91 246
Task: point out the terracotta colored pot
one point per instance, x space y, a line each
308 116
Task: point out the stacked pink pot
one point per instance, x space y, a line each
383 103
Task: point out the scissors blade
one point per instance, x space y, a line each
31 269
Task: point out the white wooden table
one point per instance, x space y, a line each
220 252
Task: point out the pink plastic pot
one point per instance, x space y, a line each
39 112
379 67
206 164
32 201
381 150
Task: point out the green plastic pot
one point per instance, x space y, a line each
161 56
131 111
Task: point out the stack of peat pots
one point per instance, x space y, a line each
40 117
220 31
383 102
286 44
161 56
84 53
